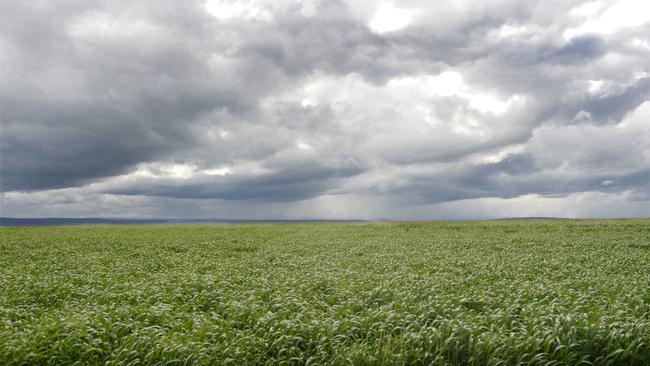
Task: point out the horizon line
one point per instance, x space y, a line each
53 221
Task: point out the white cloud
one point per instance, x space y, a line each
621 14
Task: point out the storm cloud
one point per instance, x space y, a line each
334 109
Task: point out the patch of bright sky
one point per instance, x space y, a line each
495 156
641 75
389 18
602 19
239 9
585 204
612 58
100 25
595 86
257 9
303 146
589 9
640 117
509 30
486 103
450 83
446 83
581 116
213 133
174 171
640 43
217 171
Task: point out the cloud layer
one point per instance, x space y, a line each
254 108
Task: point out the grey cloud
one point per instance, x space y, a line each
332 42
90 91
513 177
612 108
291 183
93 108
580 49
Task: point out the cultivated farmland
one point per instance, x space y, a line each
470 293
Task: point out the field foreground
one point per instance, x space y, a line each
471 293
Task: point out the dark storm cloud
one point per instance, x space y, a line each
301 103
516 176
332 42
83 109
579 50
612 108
294 183
93 106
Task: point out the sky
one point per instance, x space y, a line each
334 109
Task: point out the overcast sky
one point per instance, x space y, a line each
325 109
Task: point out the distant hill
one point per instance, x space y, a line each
535 218
10 221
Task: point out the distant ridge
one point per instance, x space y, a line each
535 218
48 221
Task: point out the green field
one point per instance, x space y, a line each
467 293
